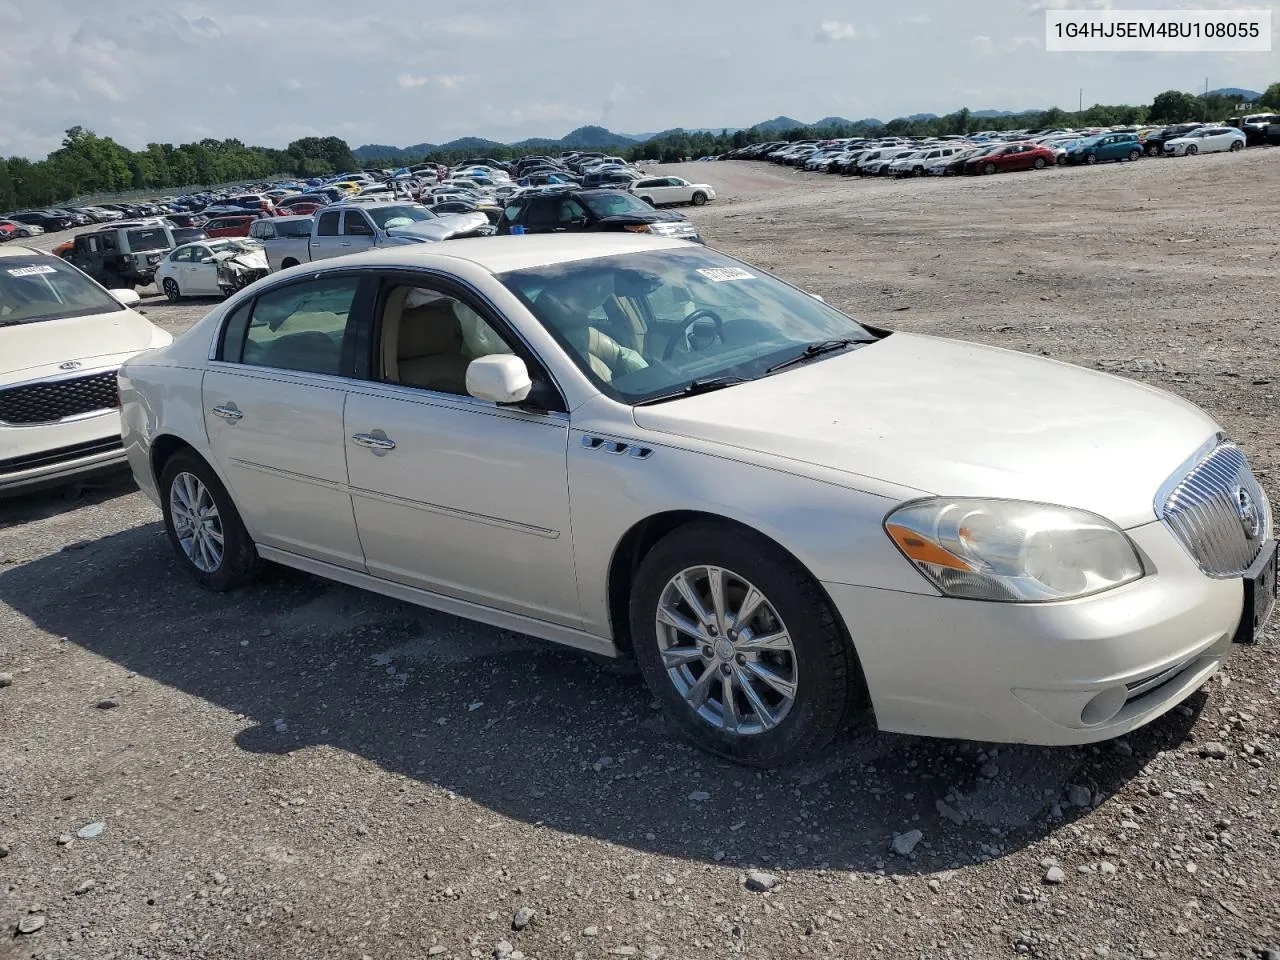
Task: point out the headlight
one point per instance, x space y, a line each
1013 551
666 229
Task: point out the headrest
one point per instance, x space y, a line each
428 330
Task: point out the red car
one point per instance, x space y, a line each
230 226
301 209
7 230
1012 156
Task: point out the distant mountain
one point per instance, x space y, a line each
994 113
579 139
777 125
1241 94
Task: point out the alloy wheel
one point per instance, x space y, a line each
726 650
196 522
171 290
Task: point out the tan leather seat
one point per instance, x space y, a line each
429 349
600 350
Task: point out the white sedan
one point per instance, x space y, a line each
657 191
638 446
211 268
61 339
1205 140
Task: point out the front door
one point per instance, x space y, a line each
455 495
273 410
357 232
326 240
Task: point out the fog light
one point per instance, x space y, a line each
1104 706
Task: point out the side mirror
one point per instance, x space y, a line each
126 297
499 378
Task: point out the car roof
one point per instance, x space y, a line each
9 250
501 254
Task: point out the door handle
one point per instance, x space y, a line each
372 442
227 412
345 243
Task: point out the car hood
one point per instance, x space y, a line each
640 216
34 350
1180 141
444 227
958 419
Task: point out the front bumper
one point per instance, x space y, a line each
58 453
1073 672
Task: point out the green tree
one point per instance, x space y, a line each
1174 106
1271 96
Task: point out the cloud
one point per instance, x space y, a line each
982 44
445 81
1021 43
835 30
919 19
292 83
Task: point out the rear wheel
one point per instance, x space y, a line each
24 234
170 287
740 646
287 263
204 526
699 198
1090 158
649 201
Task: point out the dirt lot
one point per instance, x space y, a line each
303 770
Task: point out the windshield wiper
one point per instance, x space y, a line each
693 388
814 350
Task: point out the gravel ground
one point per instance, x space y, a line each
304 770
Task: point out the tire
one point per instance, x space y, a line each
764 728
649 201
989 169
699 199
1192 150
237 561
918 172
1039 164
1153 151
288 262
24 234
1091 158
171 291
1236 146
1134 155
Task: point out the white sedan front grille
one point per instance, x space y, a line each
1218 512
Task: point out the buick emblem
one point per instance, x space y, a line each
1247 511
69 365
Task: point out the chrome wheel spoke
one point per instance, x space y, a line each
701 689
690 597
748 607
779 683
762 711
729 703
673 657
196 523
772 641
673 618
715 582
215 535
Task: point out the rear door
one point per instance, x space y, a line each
273 404
326 239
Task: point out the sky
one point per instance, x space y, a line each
410 71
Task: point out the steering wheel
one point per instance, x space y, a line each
681 328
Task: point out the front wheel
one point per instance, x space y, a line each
1192 150
171 291
699 198
989 169
1134 155
204 526
1153 151
740 646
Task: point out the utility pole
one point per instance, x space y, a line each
1080 105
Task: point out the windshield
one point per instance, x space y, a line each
614 204
389 217
152 239
646 325
45 288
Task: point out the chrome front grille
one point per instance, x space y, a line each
1218 512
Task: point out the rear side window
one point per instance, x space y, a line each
300 327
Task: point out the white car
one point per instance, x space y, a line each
657 191
636 445
915 164
1205 140
62 337
212 268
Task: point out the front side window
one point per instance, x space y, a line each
297 327
355 225
429 338
39 288
644 325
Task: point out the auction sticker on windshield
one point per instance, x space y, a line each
720 274
31 271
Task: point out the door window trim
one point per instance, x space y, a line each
369 339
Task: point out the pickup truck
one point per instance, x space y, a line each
344 228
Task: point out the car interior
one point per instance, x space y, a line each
429 339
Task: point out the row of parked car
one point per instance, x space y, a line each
987 153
